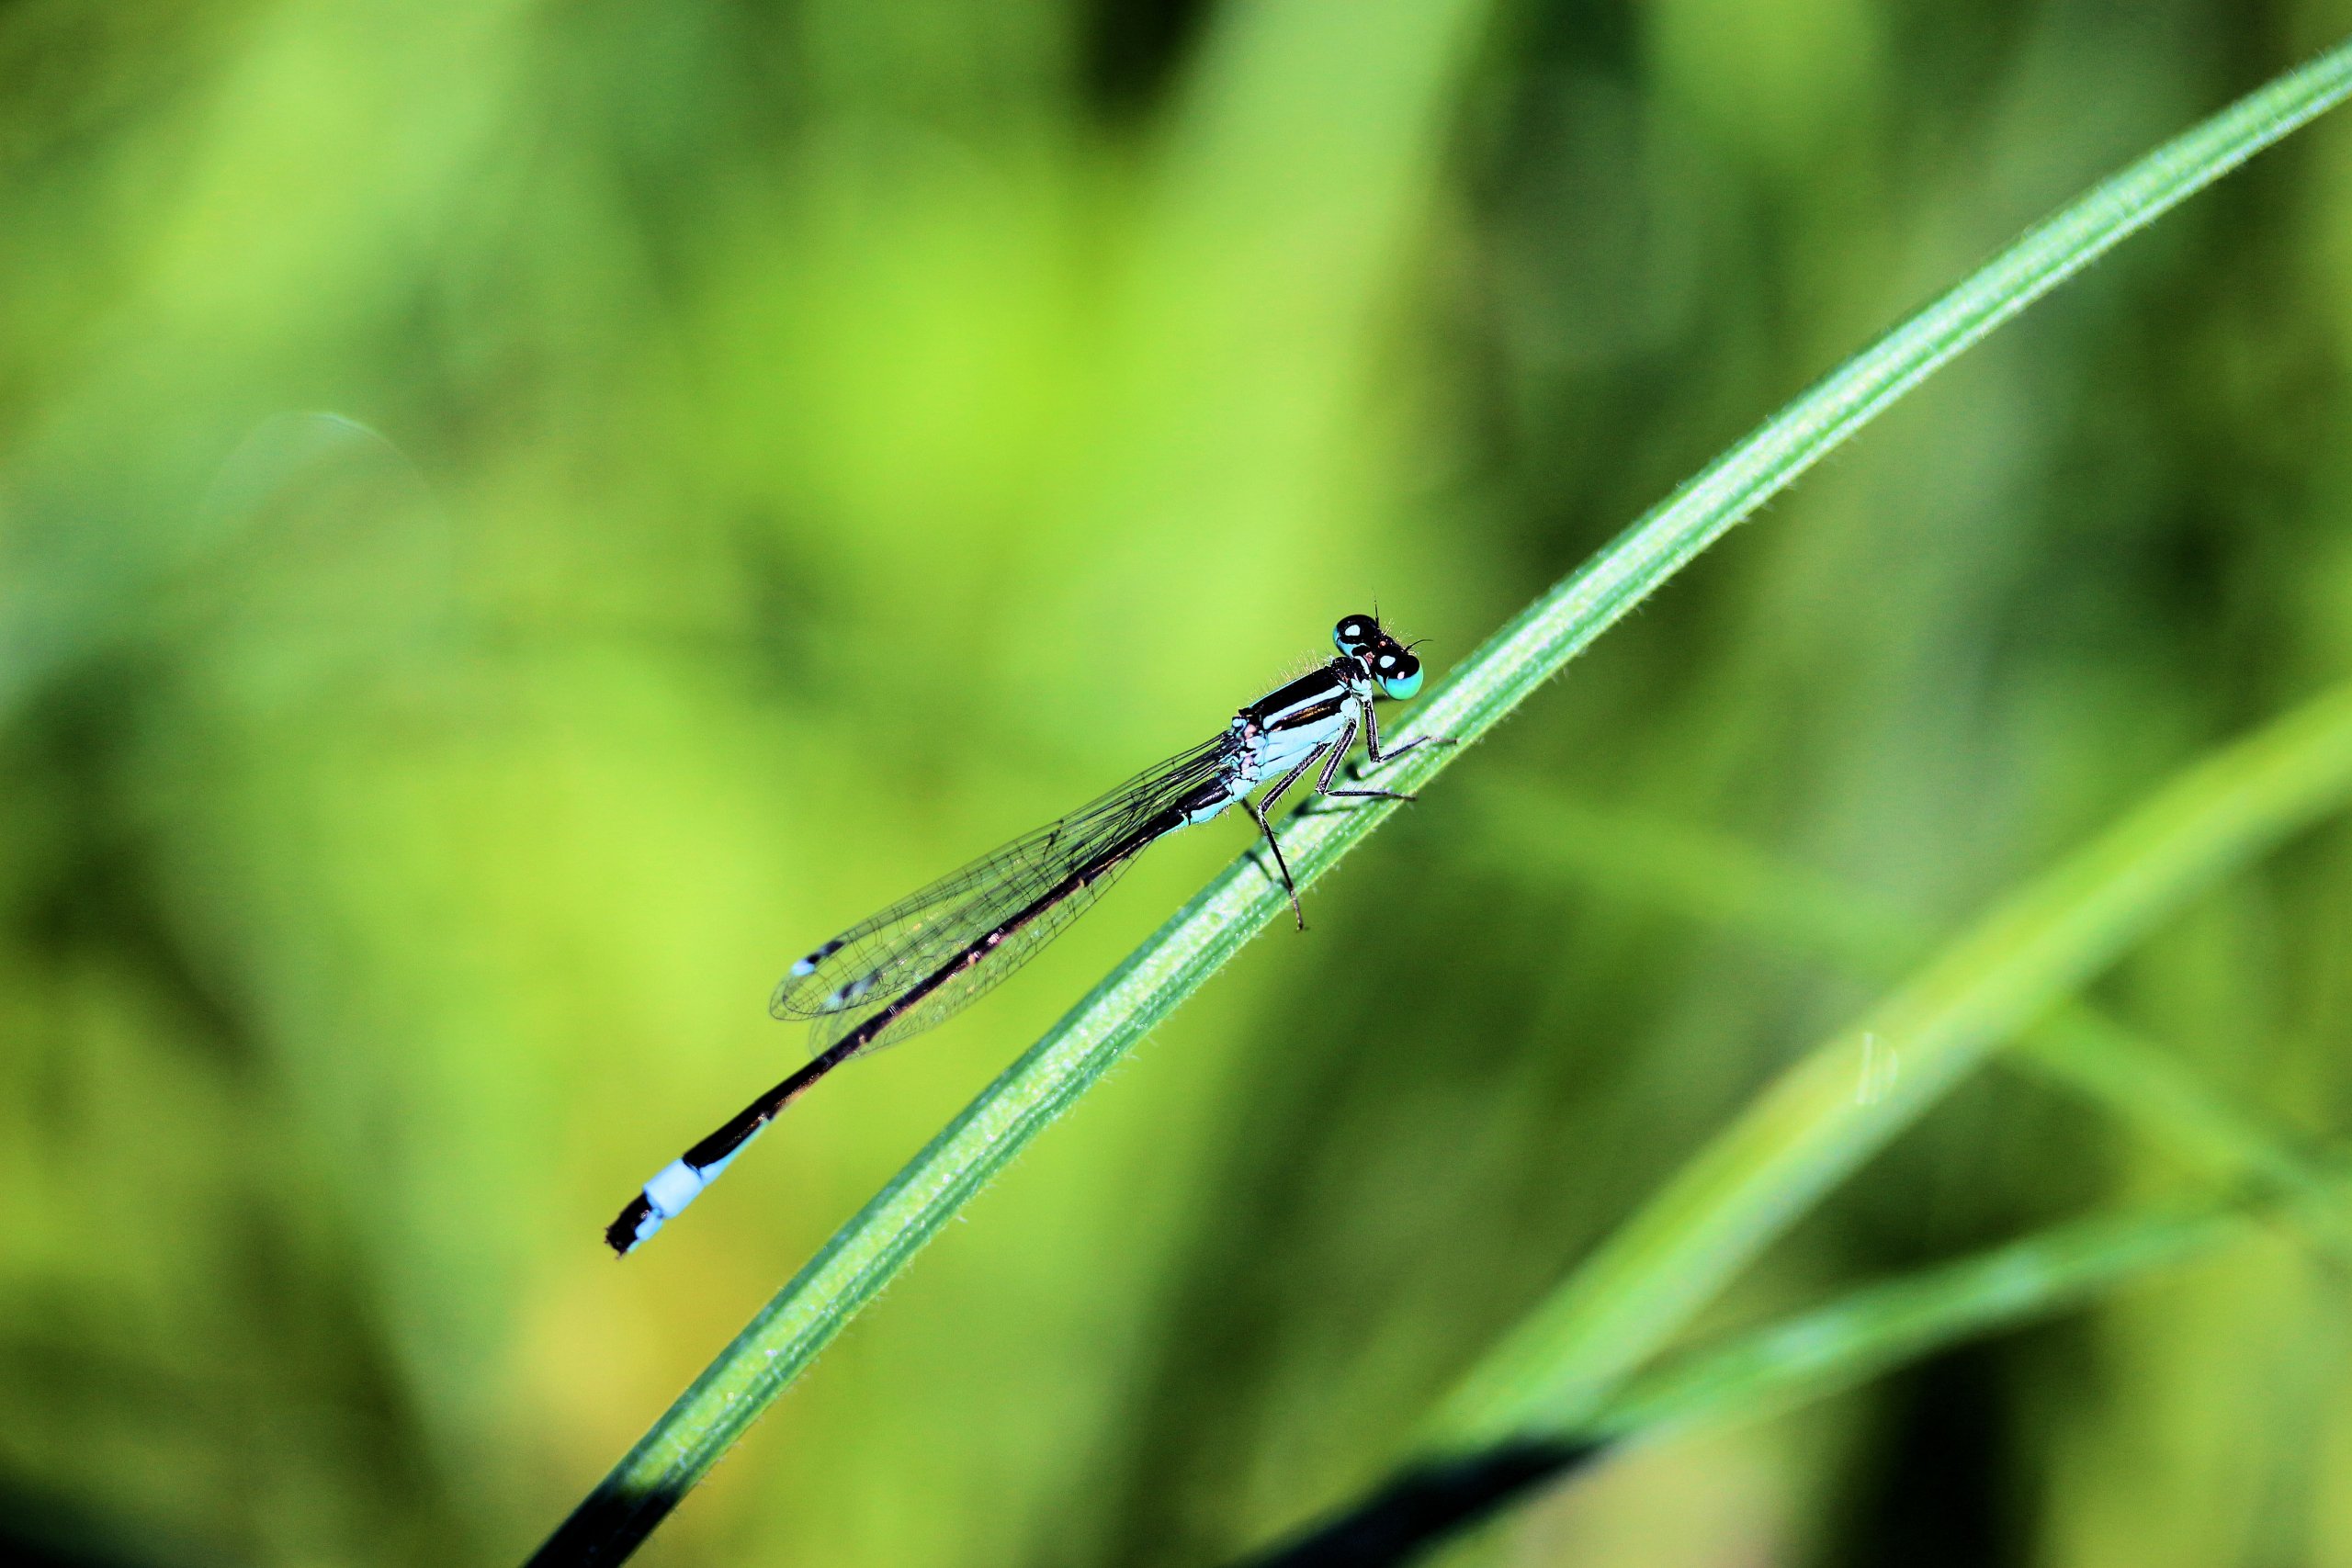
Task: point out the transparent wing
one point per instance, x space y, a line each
990 969
1023 894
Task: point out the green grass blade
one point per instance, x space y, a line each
1846 1099
866 1252
1710 877
2080 1049
1434 1498
1848 1342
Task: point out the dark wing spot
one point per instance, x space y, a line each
808 964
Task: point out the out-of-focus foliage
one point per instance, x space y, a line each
840 435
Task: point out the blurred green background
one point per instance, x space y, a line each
839 436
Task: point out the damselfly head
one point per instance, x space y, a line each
1388 663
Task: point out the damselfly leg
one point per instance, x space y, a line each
1374 756
1258 809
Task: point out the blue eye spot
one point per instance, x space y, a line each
1402 686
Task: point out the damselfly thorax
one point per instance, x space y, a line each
931 955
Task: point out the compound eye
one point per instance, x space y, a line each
1355 632
1399 673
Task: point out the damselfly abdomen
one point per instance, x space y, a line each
927 956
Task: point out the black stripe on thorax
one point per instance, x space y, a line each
1316 694
1299 718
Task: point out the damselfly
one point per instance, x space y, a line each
931 955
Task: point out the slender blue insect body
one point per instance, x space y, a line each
933 953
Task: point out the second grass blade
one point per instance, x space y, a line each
1846 1099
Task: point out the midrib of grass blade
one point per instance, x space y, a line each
1846 1099
862 1257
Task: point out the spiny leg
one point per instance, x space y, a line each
1323 783
1375 756
1263 804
